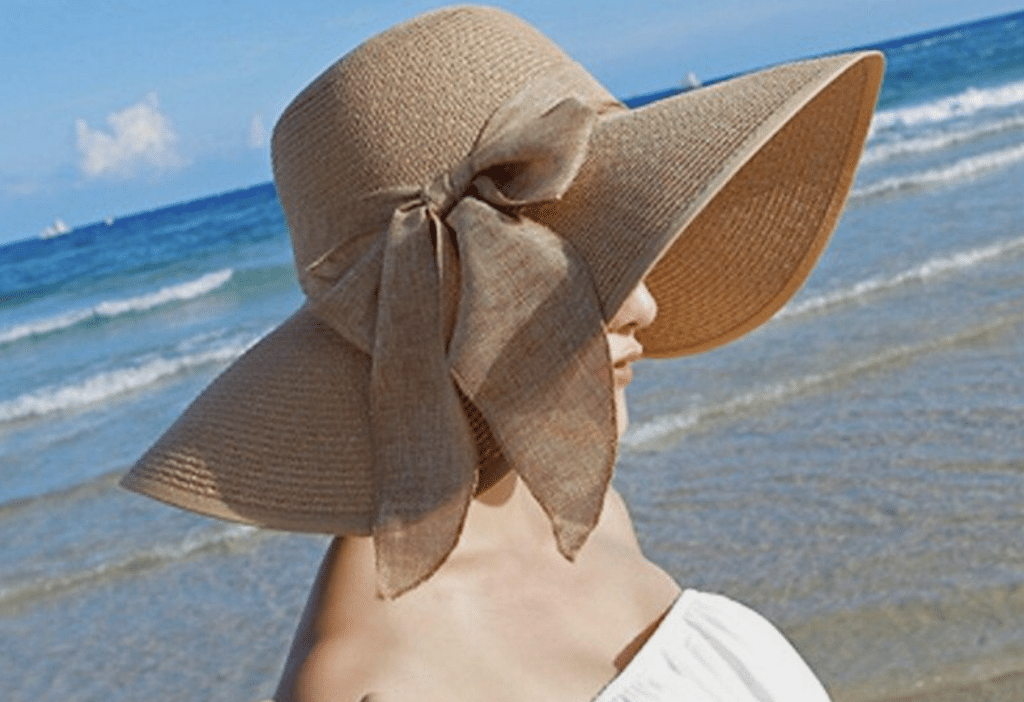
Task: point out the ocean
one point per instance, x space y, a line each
854 469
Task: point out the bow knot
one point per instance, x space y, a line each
526 337
442 193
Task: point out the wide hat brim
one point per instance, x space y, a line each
722 199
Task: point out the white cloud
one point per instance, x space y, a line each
18 187
139 135
257 133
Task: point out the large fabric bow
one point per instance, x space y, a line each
527 346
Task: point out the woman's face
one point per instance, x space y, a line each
637 312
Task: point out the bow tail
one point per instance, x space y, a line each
540 378
425 451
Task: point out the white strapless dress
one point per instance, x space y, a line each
709 648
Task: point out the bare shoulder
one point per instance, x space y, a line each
335 669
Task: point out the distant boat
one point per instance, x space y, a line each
56 229
690 82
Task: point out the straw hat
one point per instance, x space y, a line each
468 207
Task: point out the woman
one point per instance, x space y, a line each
485 237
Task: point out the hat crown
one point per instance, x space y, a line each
401 109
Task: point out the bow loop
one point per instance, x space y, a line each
523 160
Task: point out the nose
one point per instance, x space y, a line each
637 312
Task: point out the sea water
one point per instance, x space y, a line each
854 469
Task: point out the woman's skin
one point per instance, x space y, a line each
506 618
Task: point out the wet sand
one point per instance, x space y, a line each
1005 688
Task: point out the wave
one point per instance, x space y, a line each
937 266
110 384
181 292
151 557
646 436
965 104
59 498
937 142
959 171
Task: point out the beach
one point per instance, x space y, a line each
1006 687
854 470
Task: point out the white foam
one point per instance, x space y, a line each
154 555
109 384
965 104
43 326
959 171
181 292
175 293
937 142
655 430
194 543
649 434
937 266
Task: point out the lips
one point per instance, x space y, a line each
621 368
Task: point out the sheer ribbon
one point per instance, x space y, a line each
527 345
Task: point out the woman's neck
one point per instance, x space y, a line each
503 519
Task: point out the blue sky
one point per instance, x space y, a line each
111 108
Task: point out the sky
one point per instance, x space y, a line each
115 107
